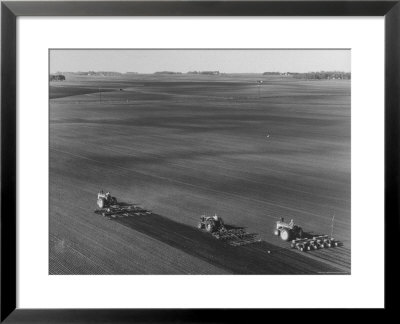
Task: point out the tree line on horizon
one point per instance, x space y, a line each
321 75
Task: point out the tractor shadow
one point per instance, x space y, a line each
255 258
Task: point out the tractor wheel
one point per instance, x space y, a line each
285 234
276 232
100 202
210 226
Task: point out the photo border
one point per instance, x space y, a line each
10 10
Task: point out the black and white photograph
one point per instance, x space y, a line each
199 161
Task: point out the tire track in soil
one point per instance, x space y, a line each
250 259
187 240
79 260
308 255
128 252
333 256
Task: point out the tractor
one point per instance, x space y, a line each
288 231
105 200
211 223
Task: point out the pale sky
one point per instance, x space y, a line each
225 61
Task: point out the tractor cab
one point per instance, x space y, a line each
211 223
288 231
105 199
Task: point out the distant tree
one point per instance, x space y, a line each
57 77
167 72
322 75
204 72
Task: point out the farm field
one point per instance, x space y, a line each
185 145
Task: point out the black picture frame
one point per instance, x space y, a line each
9 13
